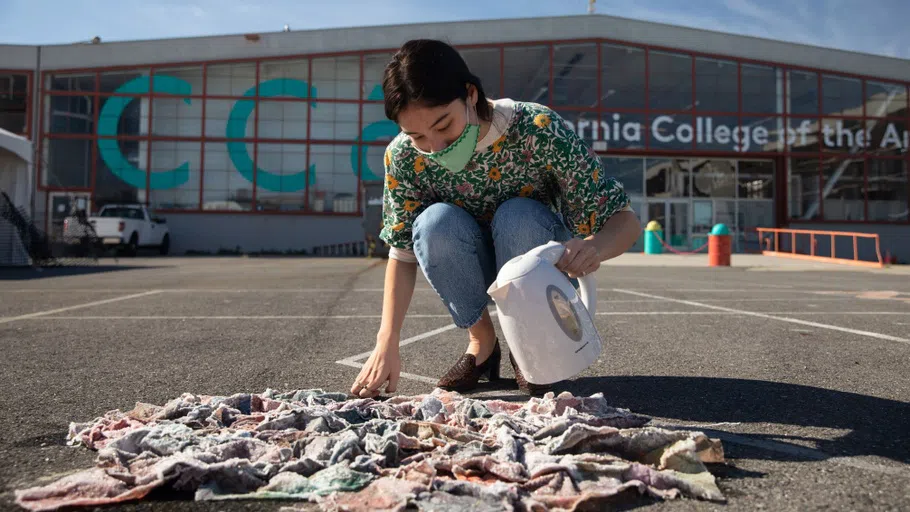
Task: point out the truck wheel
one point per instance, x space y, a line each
165 245
133 247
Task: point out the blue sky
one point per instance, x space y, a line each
871 26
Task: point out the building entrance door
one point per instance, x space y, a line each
62 205
689 195
673 216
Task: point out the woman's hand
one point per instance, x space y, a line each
383 365
580 258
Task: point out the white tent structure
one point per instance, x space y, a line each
15 181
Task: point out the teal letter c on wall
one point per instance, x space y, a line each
236 129
109 118
372 132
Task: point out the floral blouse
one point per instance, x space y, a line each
537 156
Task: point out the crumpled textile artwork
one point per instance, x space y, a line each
438 451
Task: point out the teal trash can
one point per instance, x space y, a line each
653 234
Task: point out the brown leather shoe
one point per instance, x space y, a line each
527 387
463 376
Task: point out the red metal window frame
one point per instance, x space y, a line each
783 155
29 85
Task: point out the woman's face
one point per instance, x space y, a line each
435 128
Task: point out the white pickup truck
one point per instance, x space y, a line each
126 226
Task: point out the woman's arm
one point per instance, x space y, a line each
617 235
400 277
403 200
594 205
384 364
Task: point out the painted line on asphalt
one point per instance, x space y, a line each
402 375
790 449
77 306
426 316
403 343
231 317
418 289
770 316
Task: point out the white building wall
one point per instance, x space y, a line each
253 233
14 56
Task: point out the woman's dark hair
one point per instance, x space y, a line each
430 73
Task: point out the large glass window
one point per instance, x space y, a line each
888 191
207 117
666 177
623 77
334 121
628 171
672 131
67 163
802 89
484 63
844 185
885 99
111 173
842 96
888 136
804 188
575 75
176 116
121 115
84 82
284 190
14 102
223 188
713 178
526 74
716 85
374 65
284 77
755 179
69 114
283 119
230 79
171 190
337 77
334 189
670 81
762 89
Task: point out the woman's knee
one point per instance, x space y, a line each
521 210
444 229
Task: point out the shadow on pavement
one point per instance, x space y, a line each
876 426
30 274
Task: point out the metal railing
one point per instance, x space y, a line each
787 243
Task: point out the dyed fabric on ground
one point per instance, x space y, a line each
437 451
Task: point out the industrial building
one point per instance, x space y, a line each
274 141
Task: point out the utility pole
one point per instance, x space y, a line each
591 6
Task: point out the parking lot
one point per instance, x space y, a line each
804 375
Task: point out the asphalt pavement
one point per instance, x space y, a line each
802 372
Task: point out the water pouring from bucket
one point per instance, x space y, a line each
549 328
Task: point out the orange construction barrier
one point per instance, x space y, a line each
791 236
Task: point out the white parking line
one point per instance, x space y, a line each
425 316
231 317
403 375
769 316
78 306
403 343
747 289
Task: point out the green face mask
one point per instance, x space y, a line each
456 156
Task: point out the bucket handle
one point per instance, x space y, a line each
587 285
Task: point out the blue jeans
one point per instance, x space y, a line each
461 260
